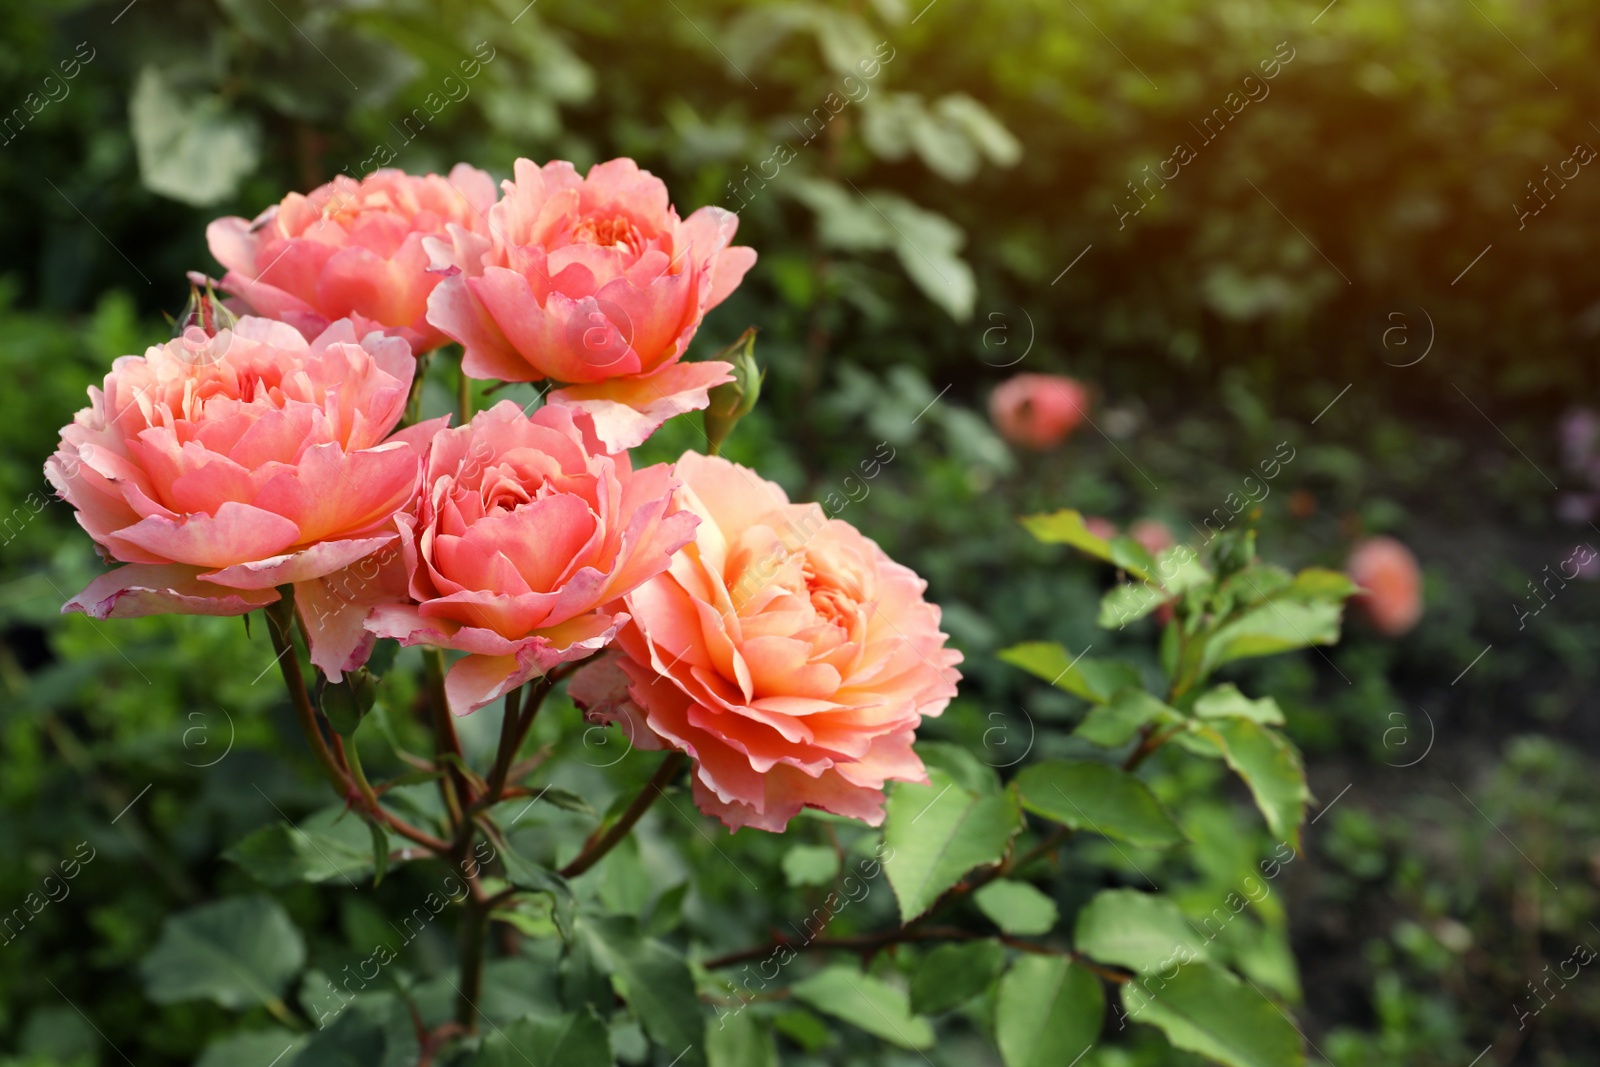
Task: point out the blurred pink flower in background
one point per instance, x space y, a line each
1392 580
1038 411
1153 535
526 536
222 467
593 282
351 248
783 651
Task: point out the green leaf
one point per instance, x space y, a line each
252 1046
950 975
1092 679
1016 907
1129 602
981 127
926 244
969 772
1174 571
1280 625
867 1002
938 833
1225 702
328 844
1319 583
526 874
1116 723
192 149
1066 527
803 1028
372 1030
1139 931
237 952
738 1039
1048 1011
1097 797
1204 1009
380 851
657 984
576 1039
810 865
1270 766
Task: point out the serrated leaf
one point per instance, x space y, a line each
969 772
938 833
1140 931
1017 908
1269 765
238 952
252 1046
1099 798
739 1039
950 975
1280 625
526 874
328 844
576 1039
1319 583
657 984
866 1002
810 865
1225 701
1116 723
1092 679
1048 1011
1066 527
374 1030
1204 1009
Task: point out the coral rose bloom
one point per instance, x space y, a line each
223 467
595 282
783 651
1392 581
351 248
1038 411
526 536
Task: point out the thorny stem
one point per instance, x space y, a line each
447 746
595 848
280 620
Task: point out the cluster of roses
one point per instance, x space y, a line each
782 650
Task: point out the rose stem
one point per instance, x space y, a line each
596 848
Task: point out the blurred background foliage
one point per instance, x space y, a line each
916 226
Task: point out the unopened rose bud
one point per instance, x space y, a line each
732 401
204 311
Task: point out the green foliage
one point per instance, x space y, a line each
1048 1011
237 952
940 831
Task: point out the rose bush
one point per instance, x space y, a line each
783 651
594 282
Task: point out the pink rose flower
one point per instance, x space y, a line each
526 535
783 651
1388 572
594 282
223 467
1038 411
351 248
